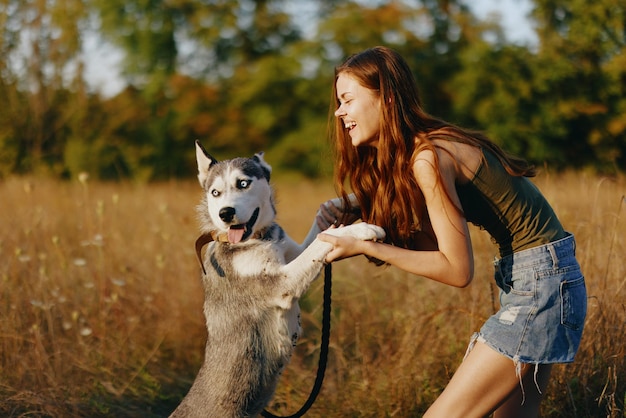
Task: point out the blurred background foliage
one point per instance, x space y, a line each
245 76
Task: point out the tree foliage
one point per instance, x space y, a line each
40 42
581 79
252 75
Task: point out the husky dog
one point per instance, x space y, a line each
253 276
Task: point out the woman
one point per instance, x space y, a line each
423 179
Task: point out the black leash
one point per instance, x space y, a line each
321 367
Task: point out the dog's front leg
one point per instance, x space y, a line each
306 267
299 273
291 249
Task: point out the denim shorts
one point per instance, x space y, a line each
543 304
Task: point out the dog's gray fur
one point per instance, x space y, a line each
251 285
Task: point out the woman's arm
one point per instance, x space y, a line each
452 262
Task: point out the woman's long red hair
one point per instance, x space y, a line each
382 178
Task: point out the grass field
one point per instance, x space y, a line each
100 310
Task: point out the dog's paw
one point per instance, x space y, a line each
361 230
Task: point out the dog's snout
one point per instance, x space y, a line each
227 214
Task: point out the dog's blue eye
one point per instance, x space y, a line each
243 184
215 193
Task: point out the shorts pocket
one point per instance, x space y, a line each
573 303
524 283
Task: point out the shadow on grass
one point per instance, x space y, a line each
157 404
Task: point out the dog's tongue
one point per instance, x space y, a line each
235 233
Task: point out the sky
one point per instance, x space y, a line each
102 69
513 15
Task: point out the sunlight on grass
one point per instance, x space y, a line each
101 311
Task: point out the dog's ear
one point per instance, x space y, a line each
205 162
267 169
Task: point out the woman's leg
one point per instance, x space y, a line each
483 383
526 404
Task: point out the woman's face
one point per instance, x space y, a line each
359 109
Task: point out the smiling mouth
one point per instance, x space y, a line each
241 232
349 125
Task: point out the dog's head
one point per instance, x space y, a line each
238 200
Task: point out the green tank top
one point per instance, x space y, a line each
510 208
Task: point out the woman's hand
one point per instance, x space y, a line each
343 247
331 213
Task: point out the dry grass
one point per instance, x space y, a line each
101 307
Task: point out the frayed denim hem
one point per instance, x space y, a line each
476 337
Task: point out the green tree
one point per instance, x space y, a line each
240 46
242 76
560 102
580 80
494 93
41 81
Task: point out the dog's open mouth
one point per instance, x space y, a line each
238 233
